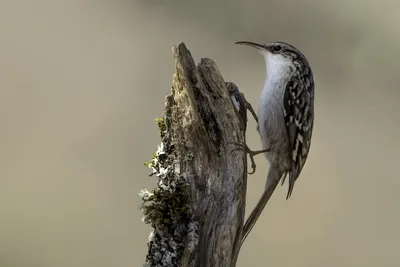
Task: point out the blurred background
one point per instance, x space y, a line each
81 82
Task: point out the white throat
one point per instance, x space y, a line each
277 70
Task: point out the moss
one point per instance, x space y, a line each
166 208
161 126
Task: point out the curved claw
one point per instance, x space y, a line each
253 166
242 146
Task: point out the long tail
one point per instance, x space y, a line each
272 181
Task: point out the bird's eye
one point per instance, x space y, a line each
277 48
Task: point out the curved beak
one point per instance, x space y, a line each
255 45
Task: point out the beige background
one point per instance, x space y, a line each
80 84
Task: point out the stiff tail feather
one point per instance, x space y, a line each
272 182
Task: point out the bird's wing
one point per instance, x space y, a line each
298 110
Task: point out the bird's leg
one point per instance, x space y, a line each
237 96
251 153
243 105
250 108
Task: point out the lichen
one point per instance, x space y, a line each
166 208
161 126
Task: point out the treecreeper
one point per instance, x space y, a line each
285 119
197 208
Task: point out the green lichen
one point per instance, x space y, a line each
152 162
166 208
161 126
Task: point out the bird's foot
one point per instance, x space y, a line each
243 146
239 97
250 108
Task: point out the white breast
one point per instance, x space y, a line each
270 111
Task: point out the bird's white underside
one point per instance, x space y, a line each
271 100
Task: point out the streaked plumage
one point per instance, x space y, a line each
285 118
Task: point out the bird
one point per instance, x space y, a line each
285 119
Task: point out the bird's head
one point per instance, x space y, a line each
279 56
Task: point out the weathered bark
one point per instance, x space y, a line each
197 210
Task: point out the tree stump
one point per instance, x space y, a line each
197 210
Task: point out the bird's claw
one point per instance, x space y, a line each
243 146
